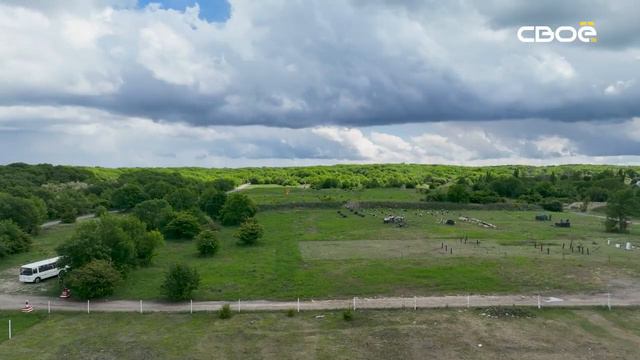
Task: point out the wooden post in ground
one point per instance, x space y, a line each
298 304
354 303
140 306
238 305
609 301
415 303
190 306
88 307
48 306
9 329
539 305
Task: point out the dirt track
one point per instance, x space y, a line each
15 302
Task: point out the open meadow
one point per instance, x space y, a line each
317 253
509 333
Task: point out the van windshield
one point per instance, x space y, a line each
26 271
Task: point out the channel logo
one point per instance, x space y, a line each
585 33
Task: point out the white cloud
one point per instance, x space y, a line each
618 87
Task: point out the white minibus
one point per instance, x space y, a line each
39 270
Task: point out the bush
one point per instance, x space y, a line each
68 214
207 243
180 282
146 246
212 201
100 211
127 196
183 226
237 209
93 280
291 313
155 213
12 239
250 232
225 312
552 206
347 315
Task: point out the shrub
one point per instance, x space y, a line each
554 205
183 226
250 232
13 240
237 209
127 196
225 312
154 213
68 214
93 280
291 313
347 315
212 201
100 211
207 243
180 282
146 246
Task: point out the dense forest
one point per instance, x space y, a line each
32 194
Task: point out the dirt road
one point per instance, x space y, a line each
15 302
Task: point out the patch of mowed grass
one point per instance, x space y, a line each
275 269
20 323
372 334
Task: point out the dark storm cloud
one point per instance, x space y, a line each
306 64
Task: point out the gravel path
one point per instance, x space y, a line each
15 302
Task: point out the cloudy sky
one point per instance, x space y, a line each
297 82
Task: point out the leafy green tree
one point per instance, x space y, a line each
212 201
100 211
207 243
158 189
552 205
621 205
147 245
93 280
223 184
183 199
68 214
24 212
184 225
121 240
250 232
180 282
237 209
458 193
154 213
12 239
127 196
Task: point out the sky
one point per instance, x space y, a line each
302 82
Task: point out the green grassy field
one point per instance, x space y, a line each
317 254
442 334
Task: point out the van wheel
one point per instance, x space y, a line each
37 280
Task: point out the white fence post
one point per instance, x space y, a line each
238 305
609 301
49 307
415 303
468 301
354 303
88 311
9 329
190 306
298 304
140 306
539 305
